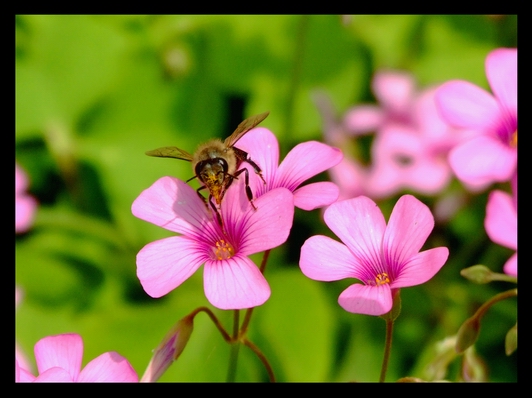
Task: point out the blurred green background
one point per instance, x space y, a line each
93 93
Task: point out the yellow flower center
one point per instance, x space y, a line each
223 250
513 140
381 279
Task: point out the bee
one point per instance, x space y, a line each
216 164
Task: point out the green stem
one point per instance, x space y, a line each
214 320
264 261
387 349
235 346
262 358
495 299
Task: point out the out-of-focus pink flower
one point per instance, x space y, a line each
491 155
304 161
351 178
412 154
383 257
231 279
411 141
25 205
501 225
59 360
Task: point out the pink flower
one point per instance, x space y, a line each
412 154
501 225
304 161
59 359
231 279
25 205
412 141
383 257
490 156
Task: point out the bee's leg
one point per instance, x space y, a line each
249 194
244 156
201 196
217 212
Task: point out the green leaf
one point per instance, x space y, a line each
296 327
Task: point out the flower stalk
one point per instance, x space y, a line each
470 329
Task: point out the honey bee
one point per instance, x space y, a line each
216 163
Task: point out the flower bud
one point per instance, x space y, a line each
477 273
169 349
441 358
467 334
473 367
510 343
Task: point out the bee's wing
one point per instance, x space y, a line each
244 127
170 152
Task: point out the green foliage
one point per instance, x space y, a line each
93 93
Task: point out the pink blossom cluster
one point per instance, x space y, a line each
490 155
410 141
422 138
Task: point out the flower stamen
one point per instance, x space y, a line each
513 139
224 250
381 279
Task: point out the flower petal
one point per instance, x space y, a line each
235 283
501 71
482 160
25 207
54 375
365 299
359 223
364 119
261 229
395 153
325 259
421 267
263 148
22 374
351 178
318 194
510 267
408 228
304 161
463 104
501 219
108 367
63 351
394 90
172 204
165 264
